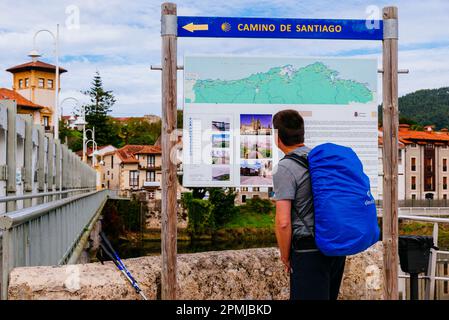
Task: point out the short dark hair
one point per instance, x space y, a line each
290 126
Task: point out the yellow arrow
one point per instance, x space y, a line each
198 27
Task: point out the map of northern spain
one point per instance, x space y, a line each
279 81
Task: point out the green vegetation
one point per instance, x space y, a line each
200 215
101 103
120 217
218 213
426 229
424 107
251 220
109 130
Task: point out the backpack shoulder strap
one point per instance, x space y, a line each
303 162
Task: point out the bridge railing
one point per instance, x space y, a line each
425 203
32 162
49 233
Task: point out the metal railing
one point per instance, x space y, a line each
427 203
49 233
431 277
33 162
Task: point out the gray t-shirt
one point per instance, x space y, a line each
291 181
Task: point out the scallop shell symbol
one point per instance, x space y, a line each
225 27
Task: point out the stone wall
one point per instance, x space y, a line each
240 274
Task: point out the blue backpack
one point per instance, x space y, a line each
345 210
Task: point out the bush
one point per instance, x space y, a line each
224 205
257 205
200 215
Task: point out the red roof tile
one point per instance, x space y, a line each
39 65
7 94
128 152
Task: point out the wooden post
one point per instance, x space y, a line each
169 179
390 152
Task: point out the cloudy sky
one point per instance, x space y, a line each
121 39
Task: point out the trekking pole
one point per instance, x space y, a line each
109 250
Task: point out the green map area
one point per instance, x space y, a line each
313 84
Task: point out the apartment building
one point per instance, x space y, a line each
425 162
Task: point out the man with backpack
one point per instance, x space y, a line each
324 210
313 276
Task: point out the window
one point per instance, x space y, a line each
413 145
151 176
49 84
446 287
445 269
108 172
413 164
413 196
41 82
444 183
20 83
255 189
46 121
112 175
112 162
137 156
151 194
413 183
27 82
429 183
444 146
151 160
133 178
444 165
444 196
243 198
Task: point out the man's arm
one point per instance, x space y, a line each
283 229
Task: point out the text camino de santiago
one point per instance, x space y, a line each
262 27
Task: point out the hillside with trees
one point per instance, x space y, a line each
424 107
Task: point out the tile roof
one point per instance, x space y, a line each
407 136
39 65
128 152
7 94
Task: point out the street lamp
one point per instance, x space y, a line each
94 152
34 54
81 121
66 99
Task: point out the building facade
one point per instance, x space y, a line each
133 168
35 81
426 163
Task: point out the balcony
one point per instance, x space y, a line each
151 184
150 166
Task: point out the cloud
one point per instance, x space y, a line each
121 39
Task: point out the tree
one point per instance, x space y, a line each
139 131
179 119
97 111
73 138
